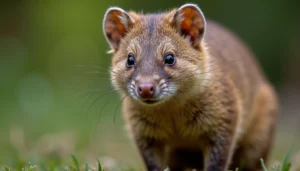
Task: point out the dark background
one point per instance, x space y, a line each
42 87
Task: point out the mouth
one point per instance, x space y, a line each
150 101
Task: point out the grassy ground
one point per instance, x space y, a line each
55 162
76 134
111 151
78 166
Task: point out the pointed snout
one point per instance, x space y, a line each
146 90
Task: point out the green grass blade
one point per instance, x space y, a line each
32 168
86 167
287 167
8 169
99 166
263 165
286 164
275 168
75 162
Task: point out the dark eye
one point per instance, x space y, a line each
130 60
169 59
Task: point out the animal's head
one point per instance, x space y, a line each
156 56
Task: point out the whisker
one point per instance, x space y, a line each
92 91
98 67
85 102
96 72
74 88
175 97
102 95
98 119
118 107
93 74
93 66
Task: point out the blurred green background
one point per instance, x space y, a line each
44 100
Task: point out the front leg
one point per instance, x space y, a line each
220 153
151 151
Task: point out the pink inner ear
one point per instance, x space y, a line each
188 29
114 28
192 24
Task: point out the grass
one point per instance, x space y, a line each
25 148
285 166
61 152
76 165
71 151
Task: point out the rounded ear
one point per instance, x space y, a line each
189 20
116 24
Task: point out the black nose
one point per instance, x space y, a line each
146 90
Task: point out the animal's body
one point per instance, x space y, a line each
193 94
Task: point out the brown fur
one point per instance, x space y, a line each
223 113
